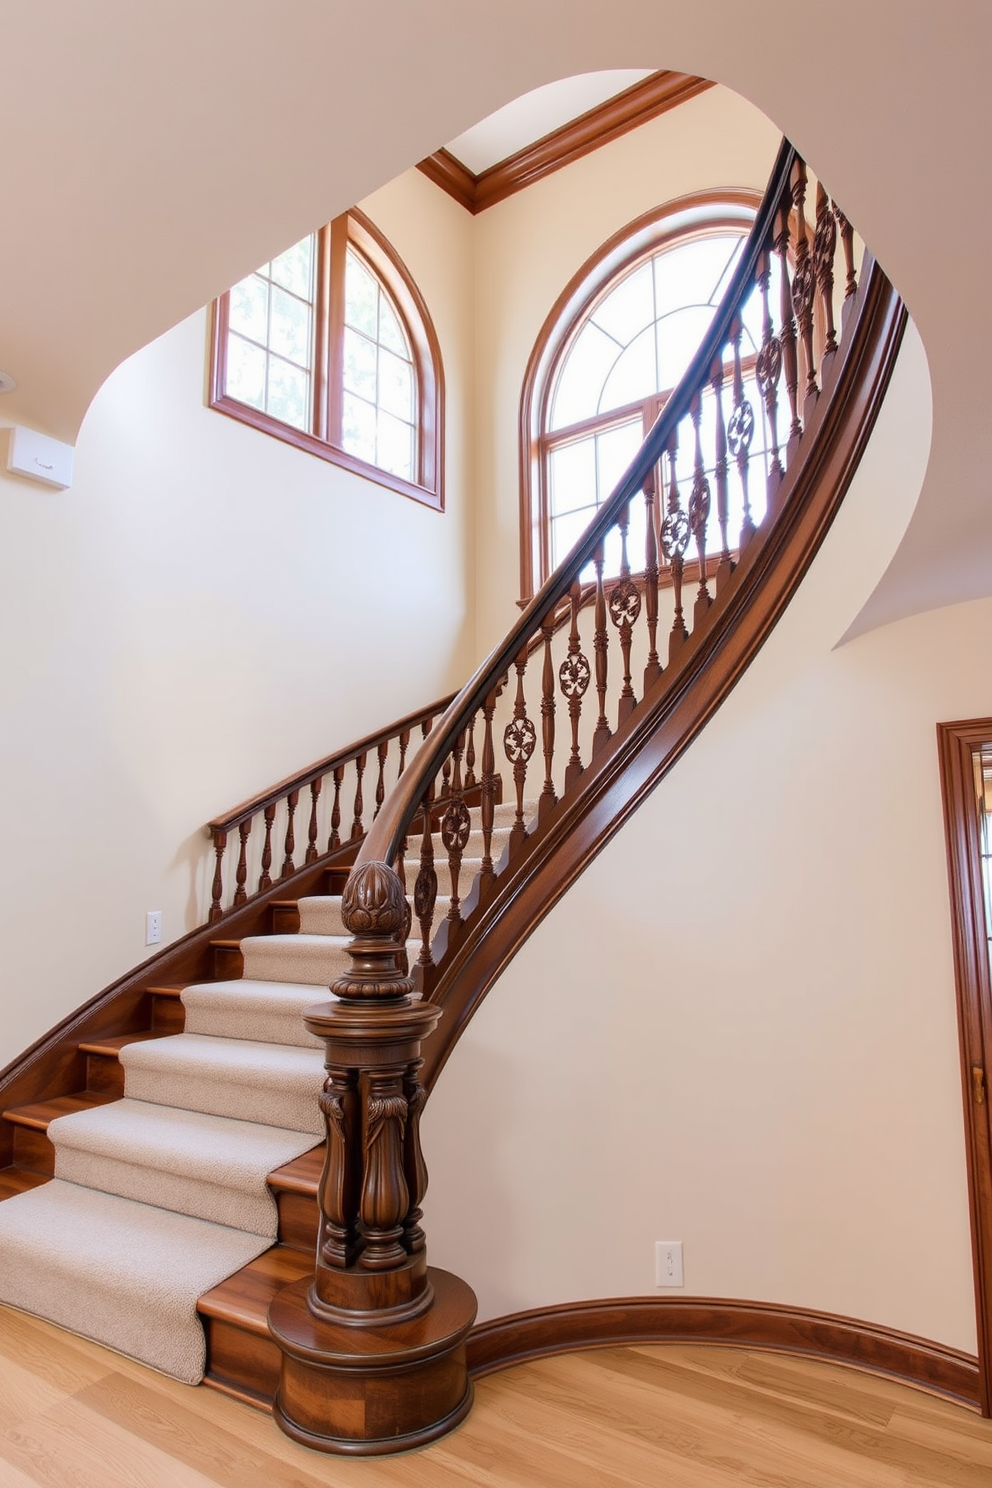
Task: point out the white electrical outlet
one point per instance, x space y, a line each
153 927
668 1263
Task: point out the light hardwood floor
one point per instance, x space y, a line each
73 1415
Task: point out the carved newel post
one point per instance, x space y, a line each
373 1349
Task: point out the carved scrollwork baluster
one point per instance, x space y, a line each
847 239
767 371
804 282
652 669
726 564
414 1239
740 432
824 249
357 825
548 794
241 873
574 676
519 742
312 828
217 887
601 643
456 826
337 1243
674 541
787 335
488 875
292 801
334 840
425 888
699 511
265 877
625 607
385 1198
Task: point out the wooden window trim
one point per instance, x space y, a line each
699 213
332 242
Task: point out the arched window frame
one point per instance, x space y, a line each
664 226
324 439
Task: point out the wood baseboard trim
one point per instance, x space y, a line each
613 1322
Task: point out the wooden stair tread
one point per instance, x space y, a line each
243 1299
113 1045
40 1113
302 1175
14 1180
174 991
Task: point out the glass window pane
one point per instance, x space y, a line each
289 333
679 335
249 309
635 375
294 268
566 531
358 428
586 368
628 308
288 393
359 364
688 274
395 386
614 451
394 450
720 288
361 294
391 333
572 469
245 372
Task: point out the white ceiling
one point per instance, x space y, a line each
537 113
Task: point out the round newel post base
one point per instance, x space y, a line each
371 1391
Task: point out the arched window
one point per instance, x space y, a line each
609 355
330 347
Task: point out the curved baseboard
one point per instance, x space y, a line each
616 1321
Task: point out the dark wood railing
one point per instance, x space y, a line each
341 794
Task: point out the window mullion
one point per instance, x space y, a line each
322 361
334 320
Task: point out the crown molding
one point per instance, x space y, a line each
598 126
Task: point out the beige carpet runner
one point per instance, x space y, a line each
162 1195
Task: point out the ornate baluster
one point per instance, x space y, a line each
625 606
265 878
337 1193
357 825
470 779
824 248
699 512
652 670
456 824
244 832
425 888
217 888
404 746
601 644
804 281
726 564
674 541
380 785
574 676
288 865
312 853
787 335
519 739
446 778
847 239
767 371
548 795
335 837
414 1239
488 876
740 432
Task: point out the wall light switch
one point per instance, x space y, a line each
668 1263
39 458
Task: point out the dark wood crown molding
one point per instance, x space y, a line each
598 126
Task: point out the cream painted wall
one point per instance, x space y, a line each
203 612
755 1049
528 248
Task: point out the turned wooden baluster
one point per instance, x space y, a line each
726 565
425 888
335 838
404 746
519 740
601 642
470 779
265 878
548 794
217 888
674 541
574 676
312 854
699 511
288 867
357 825
244 832
847 239
625 606
380 785
652 669
740 432
804 280
824 248
456 826
767 371
488 875
787 335
446 778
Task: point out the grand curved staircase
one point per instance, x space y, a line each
170 1130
